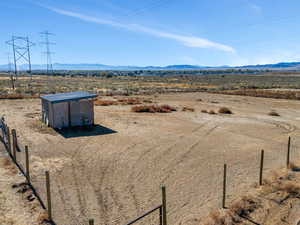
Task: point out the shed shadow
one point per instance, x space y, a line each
95 130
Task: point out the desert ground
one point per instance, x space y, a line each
115 174
14 207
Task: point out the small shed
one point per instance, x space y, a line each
68 109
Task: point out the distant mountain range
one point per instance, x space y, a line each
83 66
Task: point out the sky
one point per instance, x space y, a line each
155 32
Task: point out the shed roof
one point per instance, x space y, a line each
64 97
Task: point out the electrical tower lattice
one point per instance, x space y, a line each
48 53
21 52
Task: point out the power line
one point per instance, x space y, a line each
48 53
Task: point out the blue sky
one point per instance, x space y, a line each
157 32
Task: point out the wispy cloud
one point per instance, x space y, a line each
254 7
189 41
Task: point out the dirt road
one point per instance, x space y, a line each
116 175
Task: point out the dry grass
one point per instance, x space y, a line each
38 126
281 181
121 101
17 96
244 206
273 113
239 209
216 218
130 101
7 164
100 102
280 94
188 109
289 187
225 110
153 109
294 167
43 218
280 186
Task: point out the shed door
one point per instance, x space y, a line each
75 114
61 117
87 112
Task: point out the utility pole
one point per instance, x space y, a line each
28 56
48 53
15 60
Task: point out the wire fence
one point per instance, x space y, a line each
224 186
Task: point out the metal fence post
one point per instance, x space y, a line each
224 186
14 138
160 215
288 153
8 140
27 164
3 128
164 205
261 167
49 208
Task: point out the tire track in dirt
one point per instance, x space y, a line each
180 138
131 187
66 202
76 170
100 197
285 126
171 167
112 191
82 204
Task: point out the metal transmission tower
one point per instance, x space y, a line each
9 70
8 63
48 53
21 52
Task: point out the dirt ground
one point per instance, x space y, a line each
15 209
114 175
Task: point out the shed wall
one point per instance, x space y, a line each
65 114
45 112
82 112
60 115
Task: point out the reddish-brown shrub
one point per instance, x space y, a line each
100 102
18 96
43 218
212 112
188 109
153 108
225 110
273 113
